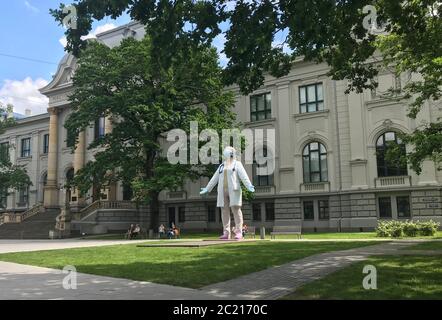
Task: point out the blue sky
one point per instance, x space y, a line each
28 30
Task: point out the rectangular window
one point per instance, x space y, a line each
23 196
99 128
324 212
211 213
181 214
403 207
260 107
256 208
311 98
270 211
4 152
26 147
384 207
261 180
309 211
46 144
261 165
3 197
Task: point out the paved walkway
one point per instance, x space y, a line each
18 282
7 246
28 282
279 281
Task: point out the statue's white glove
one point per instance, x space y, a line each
204 191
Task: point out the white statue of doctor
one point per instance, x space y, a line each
228 177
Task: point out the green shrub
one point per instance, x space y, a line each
383 230
410 228
428 228
397 229
389 229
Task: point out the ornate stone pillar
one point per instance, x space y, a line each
51 189
78 201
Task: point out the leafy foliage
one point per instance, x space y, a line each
144 98
257 32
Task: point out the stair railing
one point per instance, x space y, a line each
20 217
100 204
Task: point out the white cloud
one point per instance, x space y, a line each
31 8
24 95
93 34
63 41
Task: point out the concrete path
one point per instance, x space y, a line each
7 246
18 282
279 281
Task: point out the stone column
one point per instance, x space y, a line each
51 189
112 191
78 201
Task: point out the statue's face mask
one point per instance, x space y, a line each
229 153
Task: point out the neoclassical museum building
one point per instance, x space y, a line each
330 172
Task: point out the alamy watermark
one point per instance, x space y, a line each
259 146
370 21
70 281
70 20
370 281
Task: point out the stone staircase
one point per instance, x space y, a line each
32 224
104 217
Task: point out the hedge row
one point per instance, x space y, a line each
408 228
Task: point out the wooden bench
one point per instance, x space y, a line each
282 230
251 231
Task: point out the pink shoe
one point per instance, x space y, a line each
225 236
238 236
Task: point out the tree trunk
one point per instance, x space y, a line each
154 210
154 205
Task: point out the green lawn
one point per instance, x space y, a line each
188 267
399 277
433 245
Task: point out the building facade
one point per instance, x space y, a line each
330 172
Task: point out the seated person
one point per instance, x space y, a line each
171 234
135 232
245 229
129 231
176 232
162 230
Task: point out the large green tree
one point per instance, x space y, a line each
340 33
11 176
145 97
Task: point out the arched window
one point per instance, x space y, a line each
385 168
315 163
263 167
